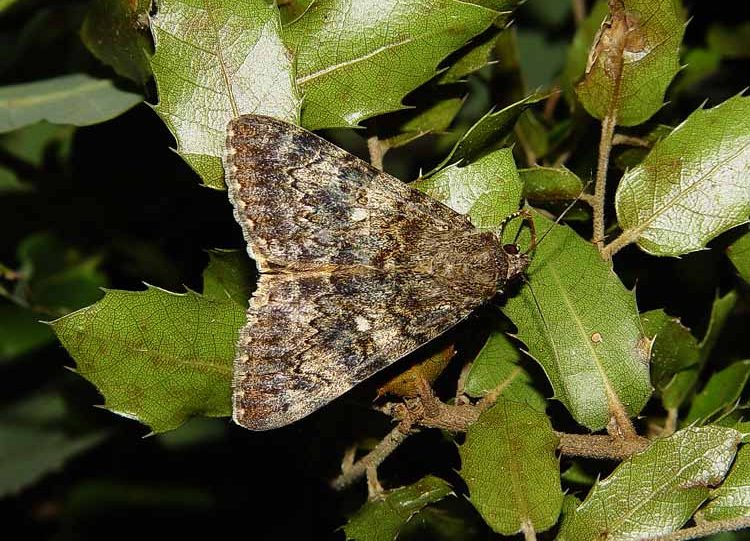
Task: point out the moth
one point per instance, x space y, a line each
357 269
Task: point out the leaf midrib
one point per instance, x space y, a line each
637 230
611 395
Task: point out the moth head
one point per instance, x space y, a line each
516 261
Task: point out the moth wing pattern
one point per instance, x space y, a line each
311 337
303 202
357 269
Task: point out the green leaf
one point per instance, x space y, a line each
578 52
644 38
343 46
729 41
534 133
550 184
720 394
473 59
228 276
487 190
739 255
496 365
732 498
682 384
656 491
156 356
215 60
21 332
57 279
9 183
508 462
693 185
436 118
33 445
34 143
585 333
381 519
674 348
577 475
115 31
490 131
76 99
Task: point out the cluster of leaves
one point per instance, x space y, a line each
411 75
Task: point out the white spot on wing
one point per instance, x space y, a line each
359 214
362 324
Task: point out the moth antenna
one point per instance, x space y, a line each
527 217
563 213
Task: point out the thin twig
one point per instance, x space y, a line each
615 52
599 446
375 457
625 238
705 529
620 139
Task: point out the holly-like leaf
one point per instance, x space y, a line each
497 367
487 190
512 446
76 99
732 498
739 255
721 393
545 184
215 60
381 519
116 32
344 48
693 185
633 61
156 356
436 118
674 349
582 326
656 491
490 131
473 59
682 384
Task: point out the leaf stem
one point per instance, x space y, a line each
351 472
618 39
706 528
600 188
599 446
529 534
618 244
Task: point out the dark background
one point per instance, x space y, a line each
125 196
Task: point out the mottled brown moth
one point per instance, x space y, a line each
357 269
